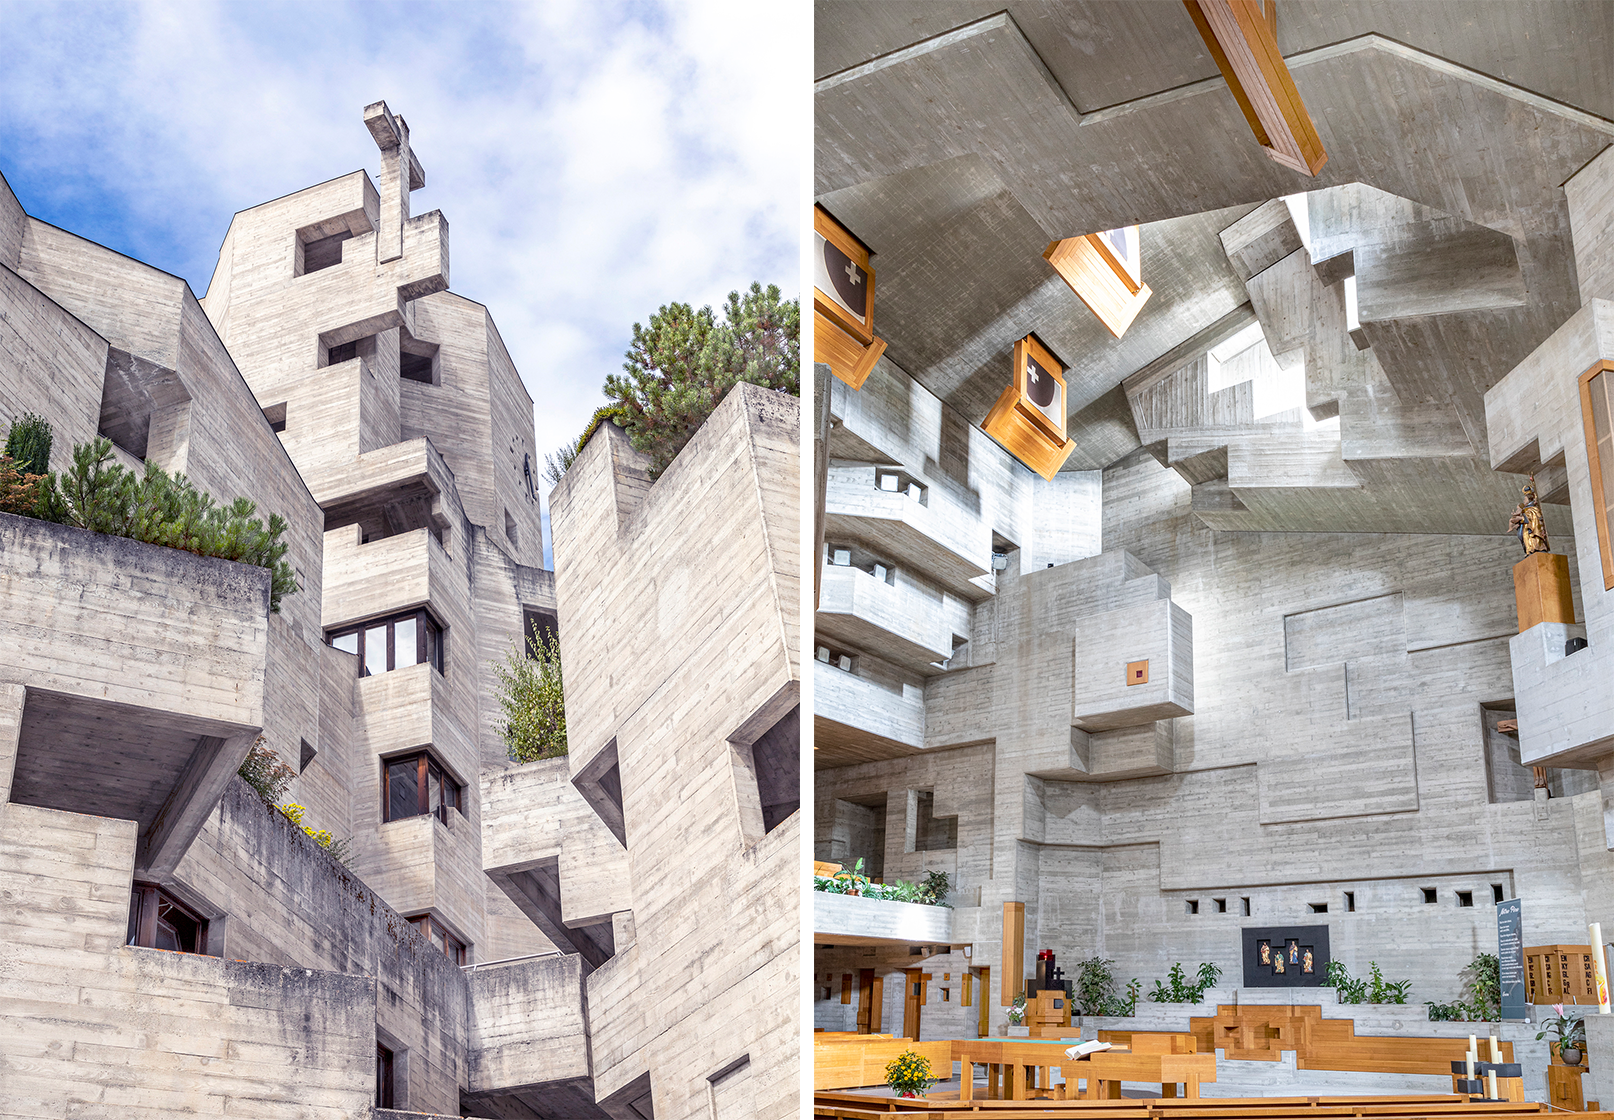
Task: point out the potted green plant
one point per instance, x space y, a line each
1569 1032
909 1074
1017 1017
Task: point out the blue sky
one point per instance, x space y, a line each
595 160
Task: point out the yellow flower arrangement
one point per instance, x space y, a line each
909 1074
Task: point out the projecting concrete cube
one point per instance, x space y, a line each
1158 633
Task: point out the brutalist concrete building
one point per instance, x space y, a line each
501 940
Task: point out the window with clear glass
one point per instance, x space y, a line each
415 785
392 643
158 921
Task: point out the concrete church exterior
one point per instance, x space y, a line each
504 940
1253 658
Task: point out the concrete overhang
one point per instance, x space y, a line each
840 919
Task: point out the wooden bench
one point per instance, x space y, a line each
1432 1106
860 1059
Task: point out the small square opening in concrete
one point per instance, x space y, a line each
1350 901
1429 894
1246 904
276 415
1465 898
1137 672
1193 905
1221 905
1318 907
1496 892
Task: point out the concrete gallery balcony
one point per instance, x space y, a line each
918 525
849 920
858 719
895 621
133 680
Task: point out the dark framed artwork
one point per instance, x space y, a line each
1285 956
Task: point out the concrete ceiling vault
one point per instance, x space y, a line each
958 139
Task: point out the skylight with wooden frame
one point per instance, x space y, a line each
1030 415
1243 39
843 301
1104 271
1596 410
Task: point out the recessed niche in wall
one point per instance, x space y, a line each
1429 894
1350 901
1318 907
276 415
1246 904
1221 905
1496 892
1193 905
932 833
1465 898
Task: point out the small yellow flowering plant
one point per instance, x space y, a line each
909 1074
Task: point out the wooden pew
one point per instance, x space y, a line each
1260 1032
848 1062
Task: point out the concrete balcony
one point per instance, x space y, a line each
894 621
386 576
526 1019
133 680
859 720
547 849
937 536
850 920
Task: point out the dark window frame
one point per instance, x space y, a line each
154 913
430 640
453 948
384 1087
451 794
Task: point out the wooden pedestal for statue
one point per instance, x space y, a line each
1541 587
1048 1013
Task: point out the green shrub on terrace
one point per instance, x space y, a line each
98 494
28 443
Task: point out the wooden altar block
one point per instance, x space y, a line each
1541 587
1564 1086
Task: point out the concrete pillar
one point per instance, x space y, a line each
194 796
1591 224
12 697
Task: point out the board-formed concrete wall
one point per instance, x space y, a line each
678 602
1337 742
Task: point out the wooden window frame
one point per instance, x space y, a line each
430 639
1599 509
426 763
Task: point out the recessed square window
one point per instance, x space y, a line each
1221 905
1496 893
1318 907
416 785
1246 904
1193 905
1350 901
1429 894
276 415
1465 898
159 921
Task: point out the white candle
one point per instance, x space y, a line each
1471 1065
1473 1045
1496 1051
1490 1085
1599 968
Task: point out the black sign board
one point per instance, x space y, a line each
1510 955
1285 956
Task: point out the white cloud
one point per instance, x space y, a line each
594 160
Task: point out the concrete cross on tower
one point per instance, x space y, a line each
398 165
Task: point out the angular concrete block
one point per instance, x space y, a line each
1159 633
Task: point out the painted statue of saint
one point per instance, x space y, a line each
1306 962
1277 962
1527 523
